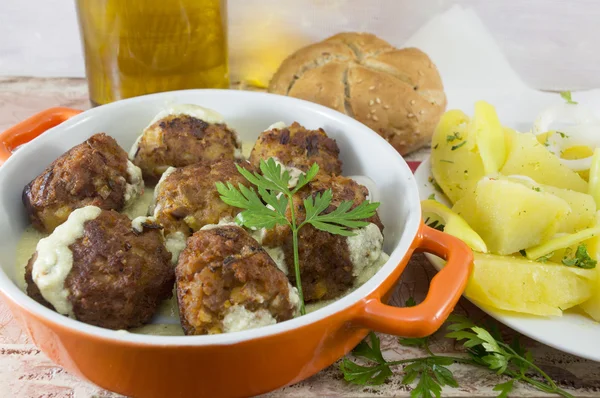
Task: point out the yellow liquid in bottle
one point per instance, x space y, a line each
136 47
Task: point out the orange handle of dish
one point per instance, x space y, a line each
32 127
444 291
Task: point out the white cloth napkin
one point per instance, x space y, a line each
473 68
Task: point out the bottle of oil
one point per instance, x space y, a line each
136 47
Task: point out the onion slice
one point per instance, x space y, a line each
583 129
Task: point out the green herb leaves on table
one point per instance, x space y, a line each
268 207
485 348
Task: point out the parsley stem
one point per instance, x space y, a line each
296 256
530 364
410 360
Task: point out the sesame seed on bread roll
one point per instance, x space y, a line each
396 92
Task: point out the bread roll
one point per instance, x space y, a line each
396 92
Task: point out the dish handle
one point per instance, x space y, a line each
445 290
32 127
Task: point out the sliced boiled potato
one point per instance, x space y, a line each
455 162
517 284
510 216
592 305
454 224
489 136
583 207
594 177
528 157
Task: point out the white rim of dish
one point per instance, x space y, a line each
10 289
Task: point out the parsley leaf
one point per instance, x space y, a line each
455 147
371 352
367 375
544 258
307 177
566 95
256 214
455 136
504 388
431 197
581 259
340 219
364 375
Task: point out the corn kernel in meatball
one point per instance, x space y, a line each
94 173
226 282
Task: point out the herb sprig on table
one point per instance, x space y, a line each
275 196
484 349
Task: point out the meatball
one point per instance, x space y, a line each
94 173
187 198
184 135
329 263
117 276
298 147
226 282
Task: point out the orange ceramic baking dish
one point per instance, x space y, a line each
241 363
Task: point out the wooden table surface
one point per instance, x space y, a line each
27 372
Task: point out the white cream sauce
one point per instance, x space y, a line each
55 259
364 247
197 111
135 189
247 149
138 223
175 244
238 318
225 221
294 173
134 148
278 256
277 126
159 329
140 207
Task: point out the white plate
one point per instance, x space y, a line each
572 333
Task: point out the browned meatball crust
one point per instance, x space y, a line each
325 267
182 140
224 267
187 199
93 173
296 146
119 275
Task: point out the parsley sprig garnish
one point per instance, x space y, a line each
484 348
268 208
